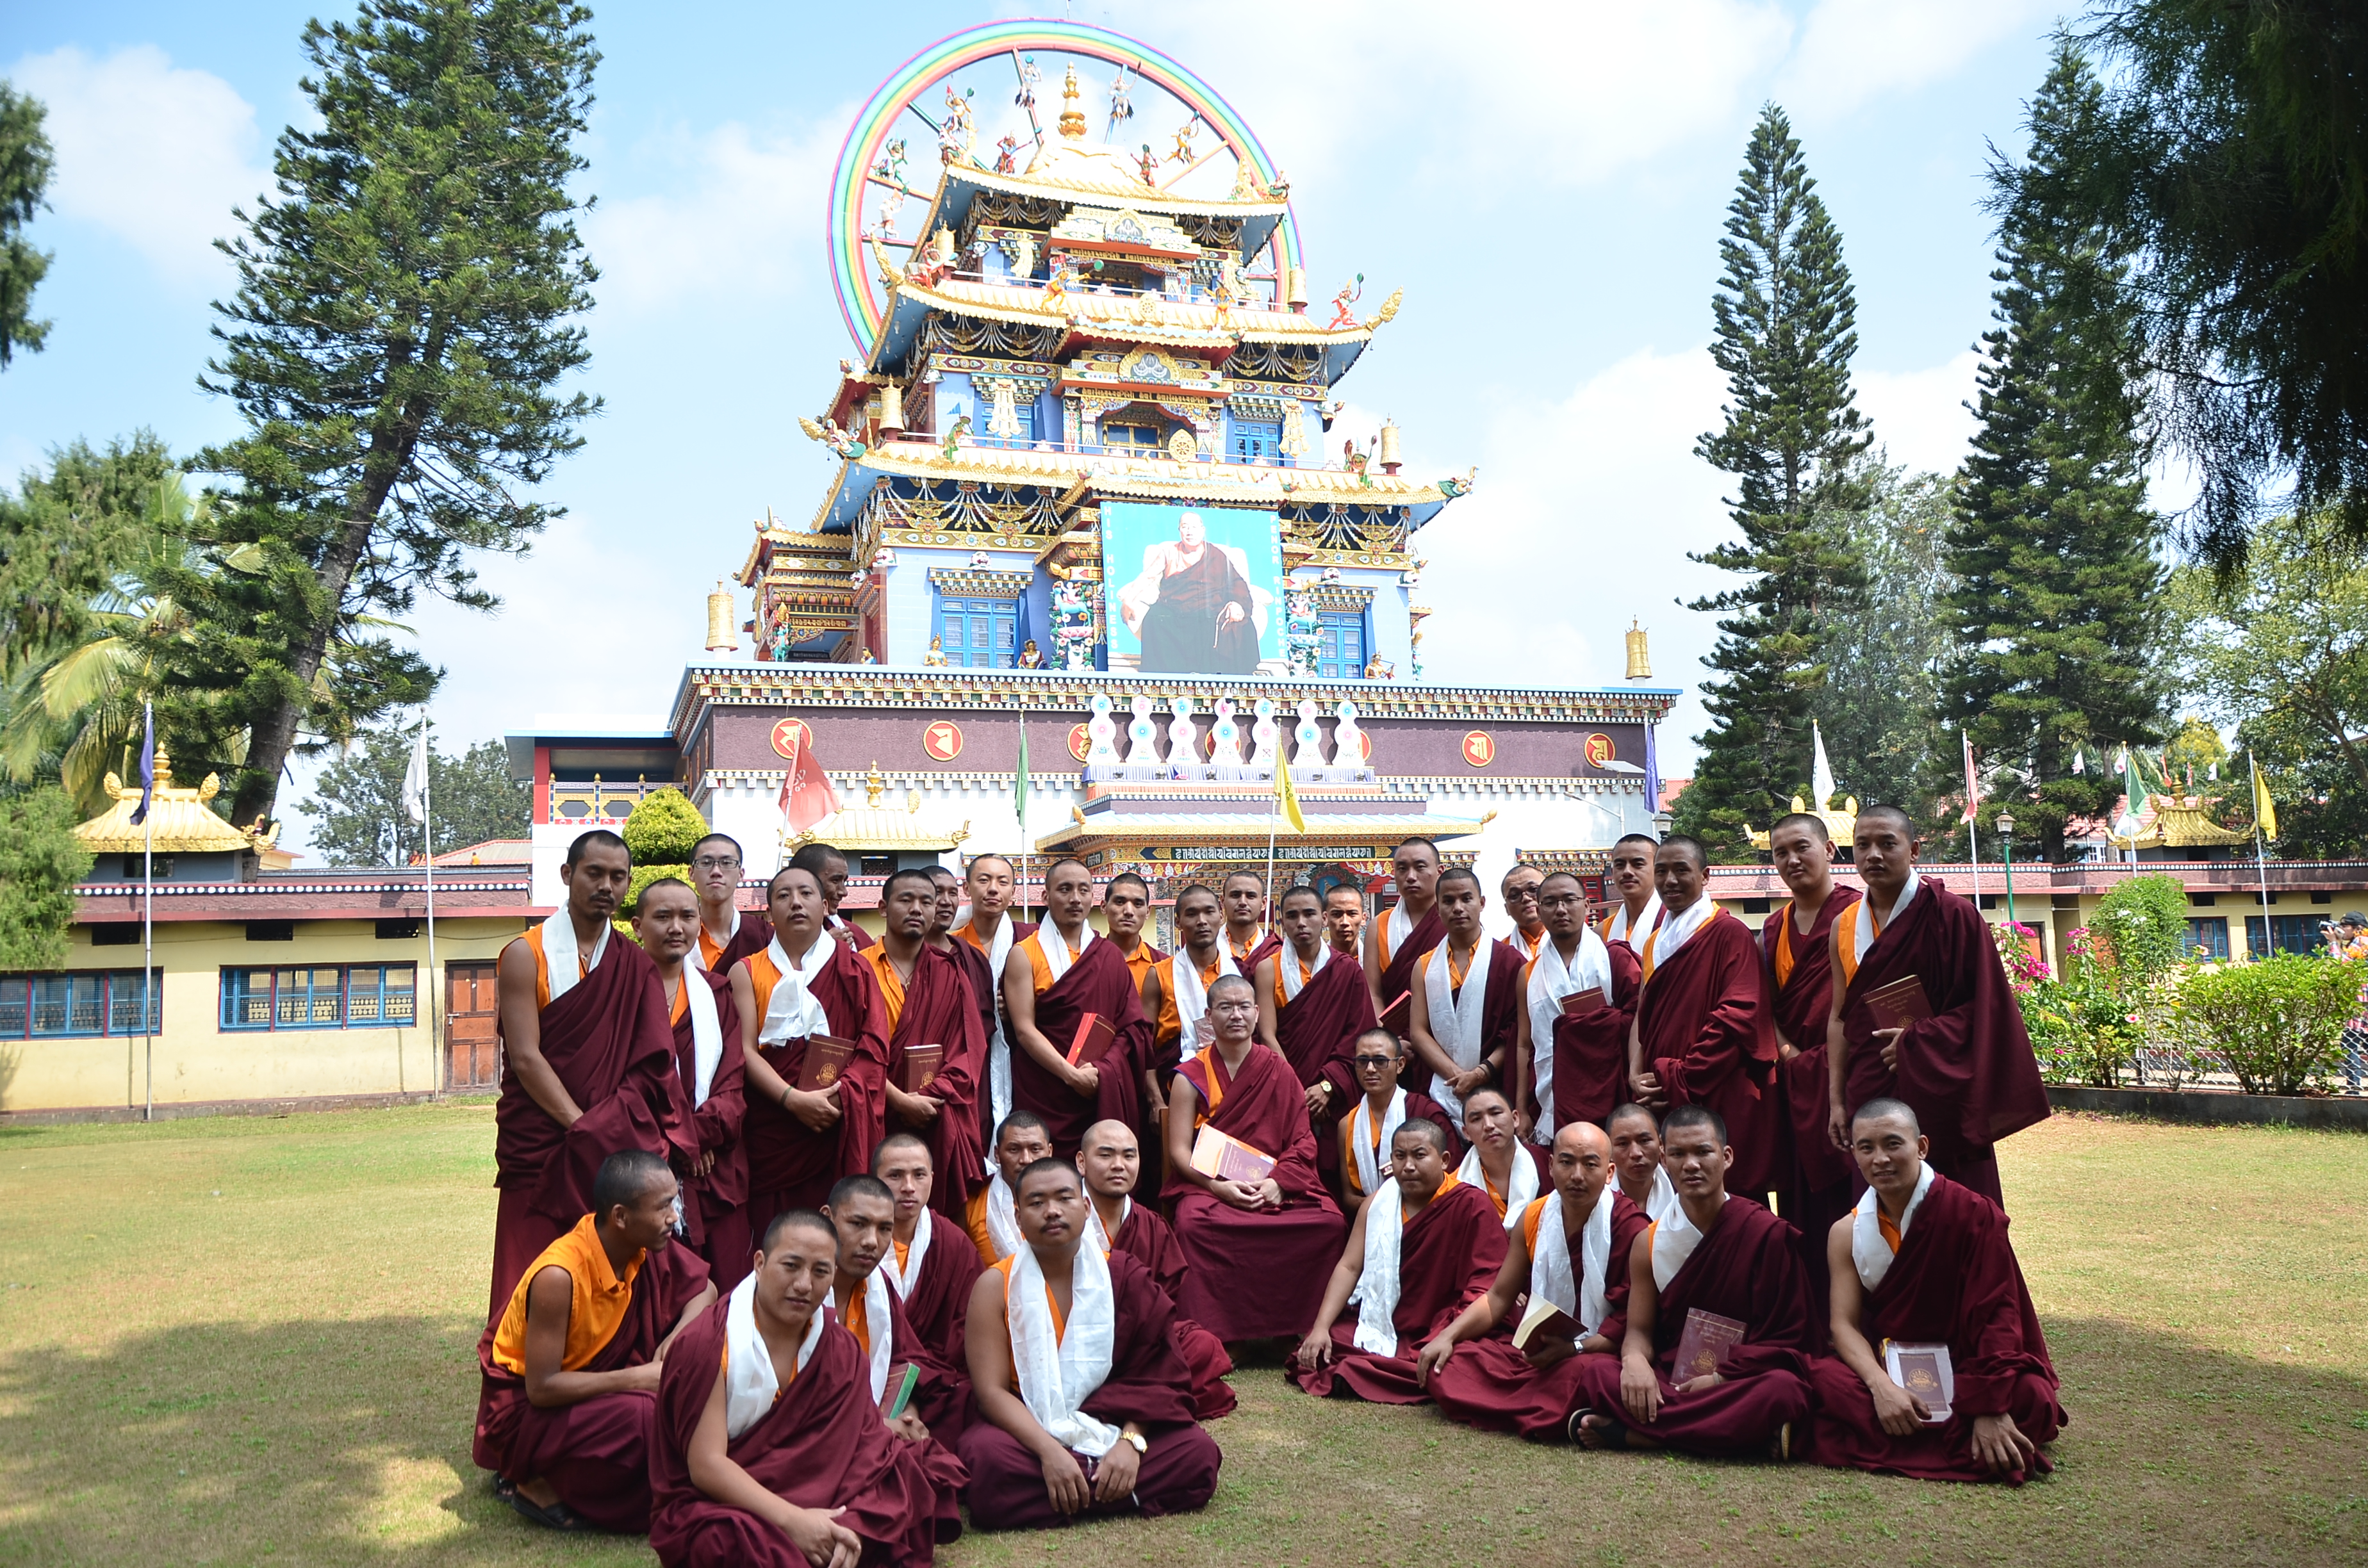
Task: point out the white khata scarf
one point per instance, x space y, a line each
1058 955
1673 933
1192 994
1098 1234
749 1386
1455 1014
698 954
1286 963
1058 1372
1662 1199
1551 979
793 1011
1623 931
1364 1148
1863 932
906 1275
1377 1282
1002 1220
561 957
706 1034
1674 1240
999 1048
1868 1249
1581 1291
1521 1184
879 1323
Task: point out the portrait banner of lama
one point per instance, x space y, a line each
1191 590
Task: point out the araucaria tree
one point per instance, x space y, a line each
2057 602
405 314
1786 329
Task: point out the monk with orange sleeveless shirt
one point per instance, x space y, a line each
1797 941
806 984
711 1073
1062 986
930 1003
588 1062
570 1370
990 933
726 931
829 868
1396 942
865 1299
1126 905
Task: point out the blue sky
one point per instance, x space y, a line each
1546 182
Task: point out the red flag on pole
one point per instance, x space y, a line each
806 795
1973 789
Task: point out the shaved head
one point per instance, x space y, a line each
1107 1132
1583 1136
1804 821
1895 813
1878 1110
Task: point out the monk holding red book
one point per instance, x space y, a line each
1715 1358
1702 1034
1797 942
1925 1278
1427 1246
769 1450
1257 1248
936 1047
1955 1049
931 1261
1567 1256
1110 1161
588 1062
1398 941
807 992
1312 1004
570 1368
1067 994
710 1074
1578 995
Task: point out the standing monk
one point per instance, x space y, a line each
1111 1163
1247 937
971 963
932 1262
1924 1261
930 1003
1257 1248
829 868
1312 1004
1176 993
1382 1107
711 1074
1519 892
1344 918
1702 1034
1397 941
807 983
1636 907
1578 995
726 933
1466 1006
991 932
1797 941
1062 986
1126 905
1967 1070
587 1060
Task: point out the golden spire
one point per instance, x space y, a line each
1073 118
721 638
1640 662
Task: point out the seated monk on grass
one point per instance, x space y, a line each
571 1367
1020 1141
1729 1259
1085 1407
1257 1248
866 1304
767 1449
1312 1004
1496 1158
1570 1251
1924 1262
711 1071
932 1264
1110 1161
1421 1249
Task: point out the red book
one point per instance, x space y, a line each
1227 1158
1095 1035
1708 1342
827 1057
1578 1004
1899 1003
921 1064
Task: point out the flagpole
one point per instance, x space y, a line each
2261 860
1024 788
427 858
1272 810
148 914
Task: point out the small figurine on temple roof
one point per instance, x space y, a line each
955 435
1006 155
1342 315
1148 161
1184 140
1029 659
1452 487
828 432
936 657
864 657
1031 74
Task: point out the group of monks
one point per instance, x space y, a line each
1630 1177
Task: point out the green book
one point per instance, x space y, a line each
902 1379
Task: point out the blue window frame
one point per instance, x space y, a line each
2289 934
88 1005
2207 937
1256 441
1142 438
1342 655
1027 426
979 633
320 996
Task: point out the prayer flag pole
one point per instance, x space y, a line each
148 902
428 845
2262 855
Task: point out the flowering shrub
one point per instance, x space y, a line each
2024 967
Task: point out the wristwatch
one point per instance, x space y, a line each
1136 1440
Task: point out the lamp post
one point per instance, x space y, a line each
2006 844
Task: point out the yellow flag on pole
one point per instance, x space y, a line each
2265 812
1287 797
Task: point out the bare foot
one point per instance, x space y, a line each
1598 1432
538 1491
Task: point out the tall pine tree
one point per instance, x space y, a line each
2057 603
1786 329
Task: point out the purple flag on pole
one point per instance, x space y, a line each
147 772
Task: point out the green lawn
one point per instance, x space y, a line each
242 1341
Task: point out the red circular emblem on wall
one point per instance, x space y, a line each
1364 746
1479 748
1079 741
941 738
1600 749
791 736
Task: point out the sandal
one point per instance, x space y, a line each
558 1516
1780 1446
1612 1436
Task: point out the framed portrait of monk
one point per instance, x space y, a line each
1191 590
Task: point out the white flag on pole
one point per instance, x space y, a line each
414 780
1821 772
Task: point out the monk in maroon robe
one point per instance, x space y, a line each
1361 1154
1396 942
1704 1033
1258 1249
1047 1008
935 1262
799 1141
588 1062
727 933
930 1003
1201 616
864 1213
1312 1004
1796 940
1250 937
1968 1070
967 958
830 867
1585 1047
708 1074
801 1464
1924 1261
1454 1053
1047 1447
1731 1259
1447 1241
1471 1369
569 1370
1109 1161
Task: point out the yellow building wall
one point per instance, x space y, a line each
195 1059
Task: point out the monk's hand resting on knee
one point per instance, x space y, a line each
1640 1391
1114 1477
1064 1484
1433 1357
1900 1412
2001 1445
1313 1351
822 1539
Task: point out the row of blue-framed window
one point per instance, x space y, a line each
976 634
102 1002
2207 936
1246 440
320 996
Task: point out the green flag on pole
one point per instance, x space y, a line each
1019 780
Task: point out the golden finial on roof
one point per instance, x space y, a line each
1073 118
1640 660
720 637
875 784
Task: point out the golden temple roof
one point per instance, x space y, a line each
880 828
1111 474
2178 821
1137 318
180 822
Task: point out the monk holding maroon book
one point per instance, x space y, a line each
570 1368
865 1300
1077 1030
936 1047
931 1262
1258 1233
1938 1370
807 997
1922 1012
1110 1161
1399 940
1509 1363
1702 1034
1715 1358
769 1450
1126 905
726 933
1312 1004
1578 995
1425 1246
1797 942
709 1072
588 1062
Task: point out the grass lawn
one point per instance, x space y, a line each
246 1341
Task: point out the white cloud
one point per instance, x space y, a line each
155 154
1919 416
1852 51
